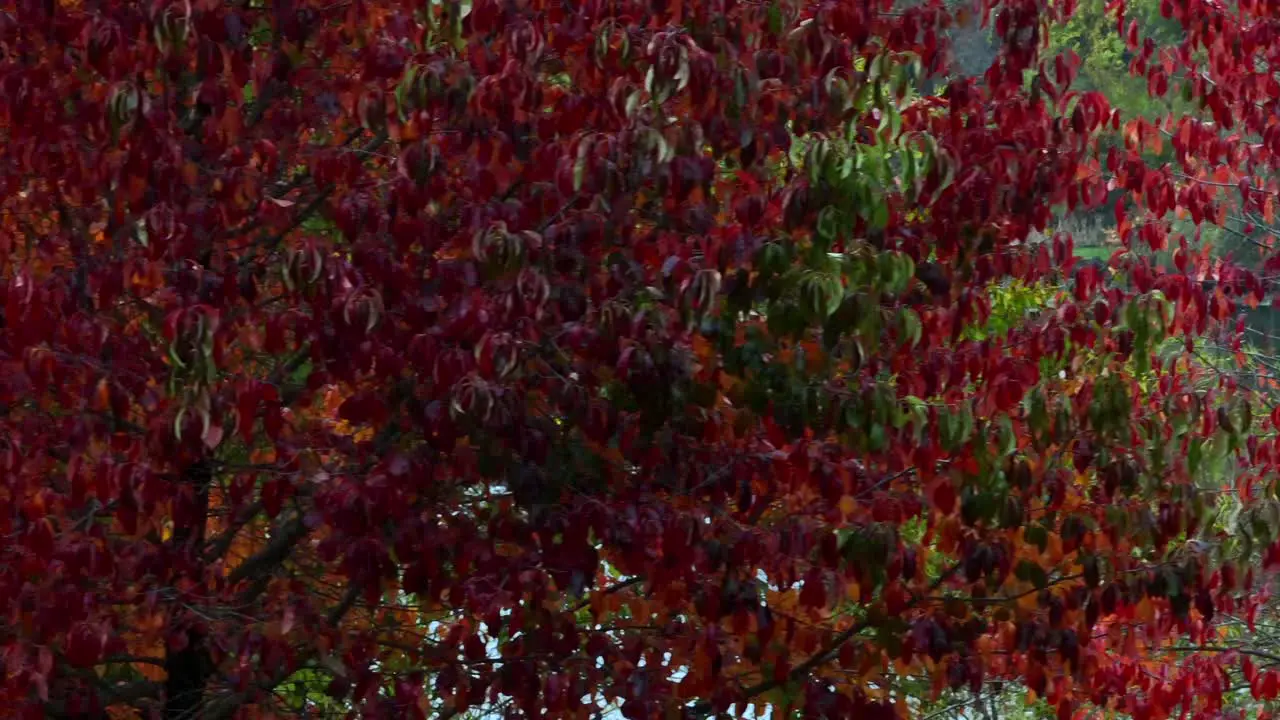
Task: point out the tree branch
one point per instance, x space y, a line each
623 585
1226 649
218 546
308 210
820 658
259 566
226 708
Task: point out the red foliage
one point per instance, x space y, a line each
513 354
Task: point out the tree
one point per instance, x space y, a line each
528 357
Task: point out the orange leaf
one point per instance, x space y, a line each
1145 611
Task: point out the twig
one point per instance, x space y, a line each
1226 649
260 565
823 656
611 590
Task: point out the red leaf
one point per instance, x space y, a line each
247 407
944 497
814 592
273 497
273 419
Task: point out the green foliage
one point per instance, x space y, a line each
1105 60
1012 303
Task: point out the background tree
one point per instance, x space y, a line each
527 357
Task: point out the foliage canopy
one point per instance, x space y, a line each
426 358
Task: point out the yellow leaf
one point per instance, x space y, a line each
503 549
853 591
1054 548
848 505
1145 611
702 349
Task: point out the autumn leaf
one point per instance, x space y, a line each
516 358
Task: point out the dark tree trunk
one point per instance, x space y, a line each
188 664
188 671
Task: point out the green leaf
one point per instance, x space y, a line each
1037 535
877 438
828 225
909 173
911 327
1007 439
876 70
1028 571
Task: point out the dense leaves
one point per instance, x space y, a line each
530 357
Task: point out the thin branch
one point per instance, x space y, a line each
308 210
342 608
121 659
227 707
822 657
611 590
219 546
962 704
260 566
1226 649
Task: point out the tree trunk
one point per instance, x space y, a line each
188 664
